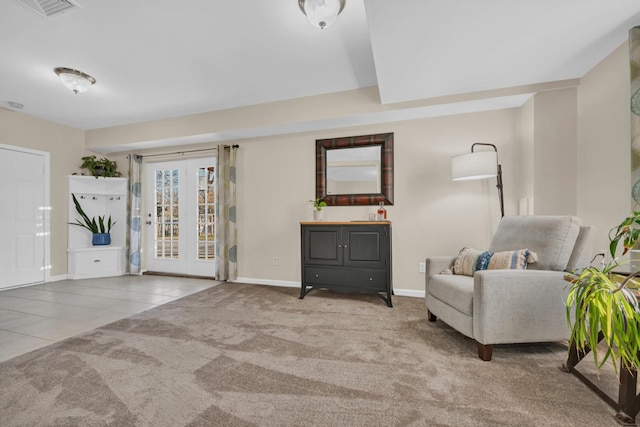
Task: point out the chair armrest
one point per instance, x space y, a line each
434 265
512 306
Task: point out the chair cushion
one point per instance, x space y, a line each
552 238
453 290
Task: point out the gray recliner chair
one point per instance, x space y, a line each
513 306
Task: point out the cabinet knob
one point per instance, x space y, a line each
96 260
148 222
371 279
345 246
316 275
339 246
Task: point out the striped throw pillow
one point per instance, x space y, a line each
514 260
471 260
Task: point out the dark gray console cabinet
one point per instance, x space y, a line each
347 257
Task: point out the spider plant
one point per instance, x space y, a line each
96 227
604 303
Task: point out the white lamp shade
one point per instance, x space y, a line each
322 13
475 165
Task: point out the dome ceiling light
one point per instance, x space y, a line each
76 81
321 13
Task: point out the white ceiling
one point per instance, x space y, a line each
156 59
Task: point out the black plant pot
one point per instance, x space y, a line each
99 171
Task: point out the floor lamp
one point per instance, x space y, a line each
479 165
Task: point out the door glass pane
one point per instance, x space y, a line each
167 214
206 220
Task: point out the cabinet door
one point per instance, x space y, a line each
365 246
322 245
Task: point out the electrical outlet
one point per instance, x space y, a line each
275 261
422 267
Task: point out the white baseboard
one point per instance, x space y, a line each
282 283
288 284
58 278
409 293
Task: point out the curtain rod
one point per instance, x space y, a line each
183 152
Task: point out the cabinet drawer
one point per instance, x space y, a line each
94 262
349 279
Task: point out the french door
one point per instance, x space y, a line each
24 223
180 235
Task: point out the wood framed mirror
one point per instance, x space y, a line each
355 170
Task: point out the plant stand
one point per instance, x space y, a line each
628 403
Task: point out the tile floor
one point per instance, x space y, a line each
35 316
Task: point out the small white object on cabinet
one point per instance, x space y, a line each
97 196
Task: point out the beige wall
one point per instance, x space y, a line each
554 152
560 149
525 142
66 147
432 215
604 135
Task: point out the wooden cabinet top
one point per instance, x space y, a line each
363 222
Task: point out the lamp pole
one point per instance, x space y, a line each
499 175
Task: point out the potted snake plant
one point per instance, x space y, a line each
602 305
100 228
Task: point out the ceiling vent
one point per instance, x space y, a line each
50 8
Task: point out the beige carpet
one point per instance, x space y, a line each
248 355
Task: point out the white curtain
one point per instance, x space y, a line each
134 220
225 216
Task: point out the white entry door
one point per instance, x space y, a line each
180 217
22 217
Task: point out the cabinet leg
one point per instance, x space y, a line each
387 299
303 291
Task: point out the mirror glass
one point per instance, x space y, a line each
355 170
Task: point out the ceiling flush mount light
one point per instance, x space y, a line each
479 165
75 80
321 13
